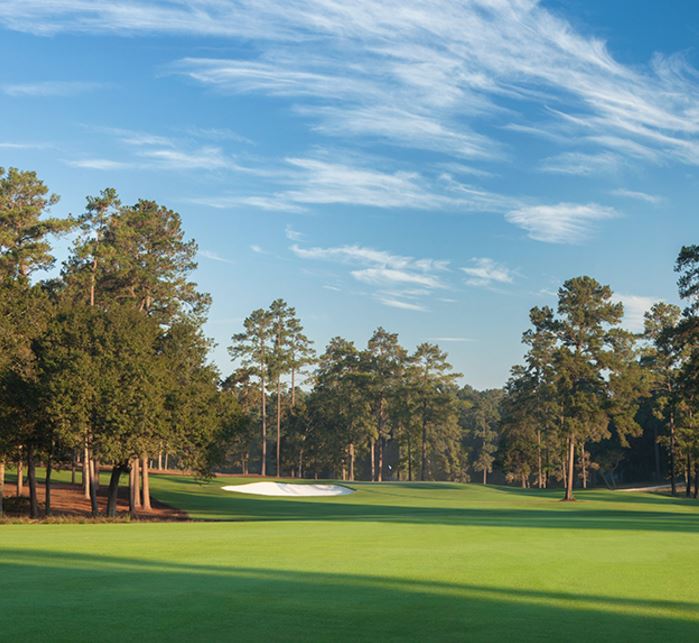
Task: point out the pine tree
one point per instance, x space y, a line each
253 348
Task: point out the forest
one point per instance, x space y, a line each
106 366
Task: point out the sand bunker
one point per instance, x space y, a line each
289 490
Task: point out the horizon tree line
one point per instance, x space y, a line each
107 365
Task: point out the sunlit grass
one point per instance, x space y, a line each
389 562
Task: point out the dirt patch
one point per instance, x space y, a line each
67 501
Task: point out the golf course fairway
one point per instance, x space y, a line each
392 561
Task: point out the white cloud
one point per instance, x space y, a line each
639 196
257 248
23 146
270 204
213 256
560 223
97 164
581 164
293 235
204 158
635 307
305 182
50 88
415 74
402 305
399 280
486 272
391 276
366 255
324 182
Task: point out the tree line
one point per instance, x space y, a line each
107 365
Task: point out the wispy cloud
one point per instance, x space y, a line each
486 272
293 235
270 204
639 196
364 254
420 76
214 256
23 146
97 164
581 164
392 277
560 223
402 305
325 182
50 88
397 279
204 158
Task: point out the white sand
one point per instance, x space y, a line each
289 490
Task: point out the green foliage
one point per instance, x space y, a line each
24 231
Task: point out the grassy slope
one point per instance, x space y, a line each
390 562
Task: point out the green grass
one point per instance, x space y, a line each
389 562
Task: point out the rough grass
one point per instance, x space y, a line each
389 562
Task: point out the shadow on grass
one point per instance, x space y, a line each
118 597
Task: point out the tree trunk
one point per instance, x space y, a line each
113 491
136 468
263 466
371 457
72 467
410 458
539 473
93 484
93 278
379 468
399 463
571 470
2 485
146 483
696 480
279 426
423 448
167 456
583 465
485 475
293 387
95 467
31 479
86 473
20 477
47 484
351 455
134 491
673 484
160 460
688 490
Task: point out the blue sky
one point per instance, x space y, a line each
434 168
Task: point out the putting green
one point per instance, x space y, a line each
390 562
